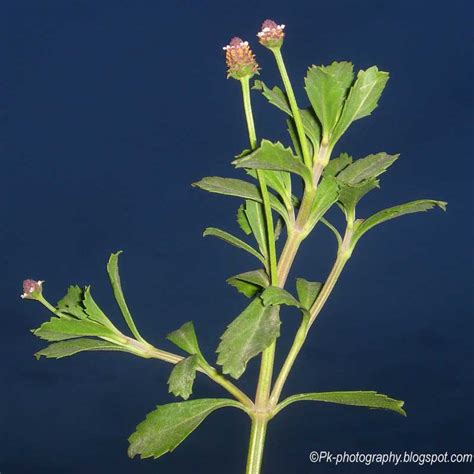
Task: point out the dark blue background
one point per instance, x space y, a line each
111 110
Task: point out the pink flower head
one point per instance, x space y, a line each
240 59
32 289
271 34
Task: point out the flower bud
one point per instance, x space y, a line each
271 35
32 289
240 59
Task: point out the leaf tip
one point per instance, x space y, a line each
443 205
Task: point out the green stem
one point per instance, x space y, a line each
293 105
147 351
263 185
300 338
268 355
227 384
256 444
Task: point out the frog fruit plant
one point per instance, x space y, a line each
285 193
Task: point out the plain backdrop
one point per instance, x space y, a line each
110 110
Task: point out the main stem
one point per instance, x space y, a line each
259 422
278 276
256 444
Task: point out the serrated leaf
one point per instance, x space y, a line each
71 303
242 220
93 311
368 399
307 291
275 96
349 196
169 425
274 296
249 283
369 167
279 99
51 336
74 328
361 100
274 156
69 348
247 336
232 240
393 212
181 379
326 195
239 188
327 87
336 165
256 218
185 338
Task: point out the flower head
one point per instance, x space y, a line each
240 59
271 34
32 289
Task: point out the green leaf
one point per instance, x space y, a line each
93 311
278 228
69 348
182 377
242 220
349 196
239 188
327 87
279 99
274 296
369 167
274 156
275 96
48 335
256 218
169 425
279 181
114 276
311 127
247 336
307 291
333 229
249 283
393 212
71 303
336 165
185 338
294 138
362 99
367 399
75 328
232 240
326 195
